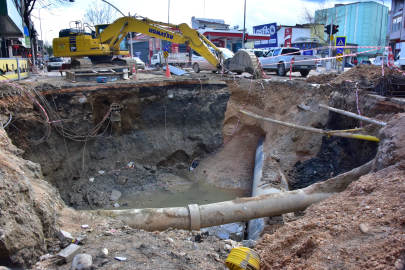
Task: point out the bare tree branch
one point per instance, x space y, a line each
100 13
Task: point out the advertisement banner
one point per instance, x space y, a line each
266 29
175 47
9 68
157 44
151 44
287 37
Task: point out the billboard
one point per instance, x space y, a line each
287 37
266 29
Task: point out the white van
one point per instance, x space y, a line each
378 60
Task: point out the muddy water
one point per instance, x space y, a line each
197 192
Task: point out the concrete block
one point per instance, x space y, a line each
115 195
70 252
272 222
122 180
277 218
64 236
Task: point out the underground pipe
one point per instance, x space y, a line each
194 217
316 130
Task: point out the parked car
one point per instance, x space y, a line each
139 63
281 63
365 62
349 65
378 59
55 63
200 63
258 52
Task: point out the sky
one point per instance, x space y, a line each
283 12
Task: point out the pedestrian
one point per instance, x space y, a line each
355 62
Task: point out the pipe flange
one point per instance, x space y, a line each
195 219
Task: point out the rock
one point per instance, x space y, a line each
103 253
4 268
104 261
46 257
227 247
249 243
91 179
148 167
122 180
170 240
364 228
115 195
70 252
399 265
64 236
81 261
116 205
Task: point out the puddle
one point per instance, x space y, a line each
200 192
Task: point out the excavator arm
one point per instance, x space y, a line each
160 30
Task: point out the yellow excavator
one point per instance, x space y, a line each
101 45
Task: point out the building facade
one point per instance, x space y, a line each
363 23
396 26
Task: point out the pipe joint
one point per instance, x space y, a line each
195 217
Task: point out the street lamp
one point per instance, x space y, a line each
45 40
40 27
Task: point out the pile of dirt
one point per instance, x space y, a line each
28 207
360 228
366 73
322 78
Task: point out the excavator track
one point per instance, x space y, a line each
245 61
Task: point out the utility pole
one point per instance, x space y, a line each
329 63
130 35
244 28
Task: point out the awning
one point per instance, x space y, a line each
10 21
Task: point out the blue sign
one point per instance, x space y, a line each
339 50
340 41
308 52
266 29
166 48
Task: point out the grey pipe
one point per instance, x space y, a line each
255 226
194 217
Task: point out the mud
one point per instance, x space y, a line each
198 122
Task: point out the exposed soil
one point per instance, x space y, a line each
360 228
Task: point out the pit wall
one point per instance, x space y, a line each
161 126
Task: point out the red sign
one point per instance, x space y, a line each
175 47
157 43
151 44
287 37
390 58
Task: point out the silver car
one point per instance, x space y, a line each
200 63
139 63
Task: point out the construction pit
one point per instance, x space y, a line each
129 146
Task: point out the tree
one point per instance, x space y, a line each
48 48
29 5
100 13
319 18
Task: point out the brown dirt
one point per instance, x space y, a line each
328 236
360 228
368 74
322 78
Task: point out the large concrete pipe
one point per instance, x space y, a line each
194 217
255 226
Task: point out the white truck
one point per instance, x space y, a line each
277 61
175 59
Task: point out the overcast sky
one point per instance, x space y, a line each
284 12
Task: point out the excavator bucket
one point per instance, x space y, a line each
244 61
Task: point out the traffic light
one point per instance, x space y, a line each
245 38
335 29
327 29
